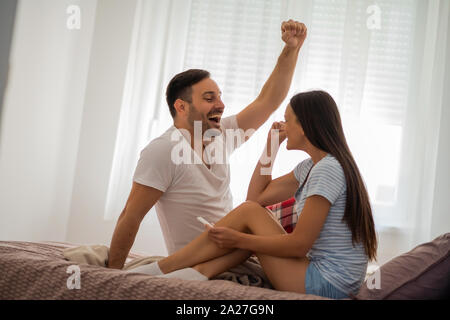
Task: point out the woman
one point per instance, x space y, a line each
328 251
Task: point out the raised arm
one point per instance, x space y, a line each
140 201
277 86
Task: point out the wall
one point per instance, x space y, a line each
7 14
41 119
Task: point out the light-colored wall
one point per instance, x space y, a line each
7 15
41 119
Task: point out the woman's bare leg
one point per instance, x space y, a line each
201 249
287 274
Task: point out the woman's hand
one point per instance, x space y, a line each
277 134
281 127
224 237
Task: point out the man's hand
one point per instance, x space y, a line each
293 33
277 86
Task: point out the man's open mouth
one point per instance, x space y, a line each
215 118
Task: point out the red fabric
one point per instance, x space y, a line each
285 213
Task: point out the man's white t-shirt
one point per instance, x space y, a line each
190 188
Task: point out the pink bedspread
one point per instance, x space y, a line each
38 270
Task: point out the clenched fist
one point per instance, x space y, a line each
281 127
293 33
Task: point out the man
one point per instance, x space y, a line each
183 191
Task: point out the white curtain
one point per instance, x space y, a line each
432 50
156 54
379 60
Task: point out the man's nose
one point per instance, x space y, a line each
220 104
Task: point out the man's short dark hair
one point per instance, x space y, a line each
180 87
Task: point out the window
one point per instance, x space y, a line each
367 70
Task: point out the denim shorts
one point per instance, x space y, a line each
317 285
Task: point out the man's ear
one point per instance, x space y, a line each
180 106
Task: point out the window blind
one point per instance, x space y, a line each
366 70
237 41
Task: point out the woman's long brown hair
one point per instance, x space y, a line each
319 117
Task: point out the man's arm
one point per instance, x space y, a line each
277 86
140 201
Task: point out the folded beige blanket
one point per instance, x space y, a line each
249 273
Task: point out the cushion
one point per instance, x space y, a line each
285 213
422 273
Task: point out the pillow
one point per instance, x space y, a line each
422 273
285 213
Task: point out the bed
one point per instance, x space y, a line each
38 271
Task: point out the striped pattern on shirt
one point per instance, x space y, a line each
339 262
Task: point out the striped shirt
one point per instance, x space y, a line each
339 262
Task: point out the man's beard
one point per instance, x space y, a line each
195 115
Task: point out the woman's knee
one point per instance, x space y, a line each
245 213
250 203
250 206
259 219
255 208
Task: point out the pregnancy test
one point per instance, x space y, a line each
202 220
